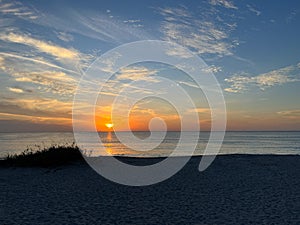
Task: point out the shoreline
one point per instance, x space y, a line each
144 161
193 156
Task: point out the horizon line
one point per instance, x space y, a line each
151 131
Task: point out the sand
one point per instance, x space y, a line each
235 189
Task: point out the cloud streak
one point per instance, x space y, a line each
39 107
17 9
224 3
45 47
33 60
137 73
242 82
94 25
202 35
52 81
290 114
254 10
15 89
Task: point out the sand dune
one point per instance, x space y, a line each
235 189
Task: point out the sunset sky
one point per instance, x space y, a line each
252 47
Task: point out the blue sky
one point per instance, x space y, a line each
251 46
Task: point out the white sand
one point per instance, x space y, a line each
234 190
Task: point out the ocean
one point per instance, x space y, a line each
234 143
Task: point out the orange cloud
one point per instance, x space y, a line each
46 47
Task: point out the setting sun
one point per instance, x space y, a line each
109 125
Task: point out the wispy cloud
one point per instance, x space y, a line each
13 117
41 107
212 69
22 46
39 74
202 35
38 61
154 108
292 15
51 81
135 23
103 27
238 83
254 10
17 9
199 110
64 36
15 89
45 47
124 79
2 67
189 84
242 82
137 73
290 114
92 24
223 3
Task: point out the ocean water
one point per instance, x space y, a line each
159 145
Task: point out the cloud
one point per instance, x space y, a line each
15 89
189 84
123 80
32 59
26 47
224 3
238 83
52 75
94 25
42 46
44 76
254 10
42 72
2 67
178 51
152 108
135 23
52 81
6 116
17 9
241 82
292 15
202 35
65 36
18 89
290 114
23 123
40 107
137 73
199 110
107 65
91 24
212 69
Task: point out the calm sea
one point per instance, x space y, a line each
234 142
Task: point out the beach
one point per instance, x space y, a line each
235 189
160 84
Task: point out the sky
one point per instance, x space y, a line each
251 47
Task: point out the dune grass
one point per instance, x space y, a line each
54 156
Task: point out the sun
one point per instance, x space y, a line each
109 125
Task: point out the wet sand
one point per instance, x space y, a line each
235 189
